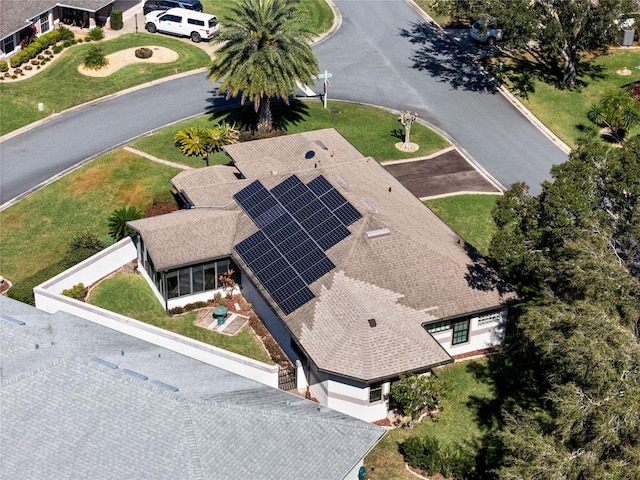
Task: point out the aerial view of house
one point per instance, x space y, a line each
353 275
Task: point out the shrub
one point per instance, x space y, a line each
175 311
86 240
118 219
67 43
18 71
426 454
96 33
194 306
115 19
35 62
57 49
64 34
414 392
77 292
4 66
16 60
635 91
47 52
28 67
143 52
95 58
86 39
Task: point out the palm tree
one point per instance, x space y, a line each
615 111
265 51
193 142
118 228
201 141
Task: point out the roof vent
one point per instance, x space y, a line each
310 154
104 362
372 322
370 208
320 144
378 233
135 374
166 386
342 181
12 320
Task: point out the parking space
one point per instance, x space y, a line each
445 173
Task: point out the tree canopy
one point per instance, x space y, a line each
264 52
574 252
563 28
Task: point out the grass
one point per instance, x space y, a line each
130 295
60 86
564 111
372 131
318 14
36 231
469 215
460 422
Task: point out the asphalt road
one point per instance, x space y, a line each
384 54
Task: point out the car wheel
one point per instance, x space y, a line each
151 27
195 37
491 41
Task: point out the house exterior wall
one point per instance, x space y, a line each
275 326
348 396
43 23
485 331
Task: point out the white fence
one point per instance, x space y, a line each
49 298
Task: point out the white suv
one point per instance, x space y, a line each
185 23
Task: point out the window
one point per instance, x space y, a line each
460 331
8 45
489 318
438 326
44 23
193 21
194 279
375 393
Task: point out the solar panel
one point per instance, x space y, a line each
320 185
297 222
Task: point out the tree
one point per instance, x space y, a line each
617 112
412 393
264 51
202 141
579 238
118 228
564 28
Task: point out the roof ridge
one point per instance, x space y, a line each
192 442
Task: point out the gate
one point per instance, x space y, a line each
287 378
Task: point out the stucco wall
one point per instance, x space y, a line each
480 336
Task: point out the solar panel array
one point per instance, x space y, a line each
297 222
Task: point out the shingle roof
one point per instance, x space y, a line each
188 236
17 14
65 413
421 270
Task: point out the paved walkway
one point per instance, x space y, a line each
156 159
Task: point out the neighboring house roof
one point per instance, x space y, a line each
17 14
417 271
66 413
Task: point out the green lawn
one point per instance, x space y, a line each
372 131
469 215
317 12
461 422
61 86
36 231
563 111
130 295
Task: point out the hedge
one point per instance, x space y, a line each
39 44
